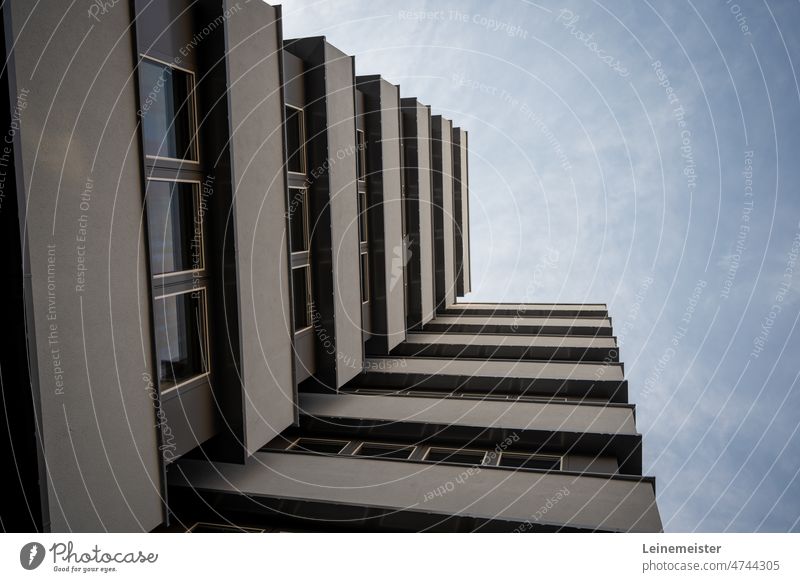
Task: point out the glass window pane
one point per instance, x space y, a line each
175 227
523 461
295 140
300 289
166 107
455 456
180 337
364 277
298 221
361 155
362 217
324 447
385 451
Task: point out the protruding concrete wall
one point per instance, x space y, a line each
419 211
331 131
443 212
387 248
461 211
80 188
253 38
585 502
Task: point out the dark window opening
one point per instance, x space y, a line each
301 288
385 451
362 217
298 219
364 277
295 140
362 155
180 337
455 456
523 461
167 110
320 446
175 226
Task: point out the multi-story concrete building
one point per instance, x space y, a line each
237 276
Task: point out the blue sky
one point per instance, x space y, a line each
643 155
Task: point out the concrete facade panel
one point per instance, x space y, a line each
555 417
590 502
340 103
80 176
255 110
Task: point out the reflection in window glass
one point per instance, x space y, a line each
295 140
180 337
175 227
166 109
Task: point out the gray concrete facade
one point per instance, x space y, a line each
419 211
79 182
355 420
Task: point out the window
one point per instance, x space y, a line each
362 217
295 140
175 226
204 527
436 393
319 446
484 396
301 257
177 264
362 155
181 339
364 277
455 456
298 219
301 288
385 451
363 222
166 99
525 461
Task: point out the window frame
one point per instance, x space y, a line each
305 221
390 446
206 355
309 297
195 133
363 221
361 152
199 199
303 150
436 448
293 447
364 287
517 454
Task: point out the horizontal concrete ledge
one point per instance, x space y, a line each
587 371
530 309
580 502
573 326
502 346
513 416
535 427
586 380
